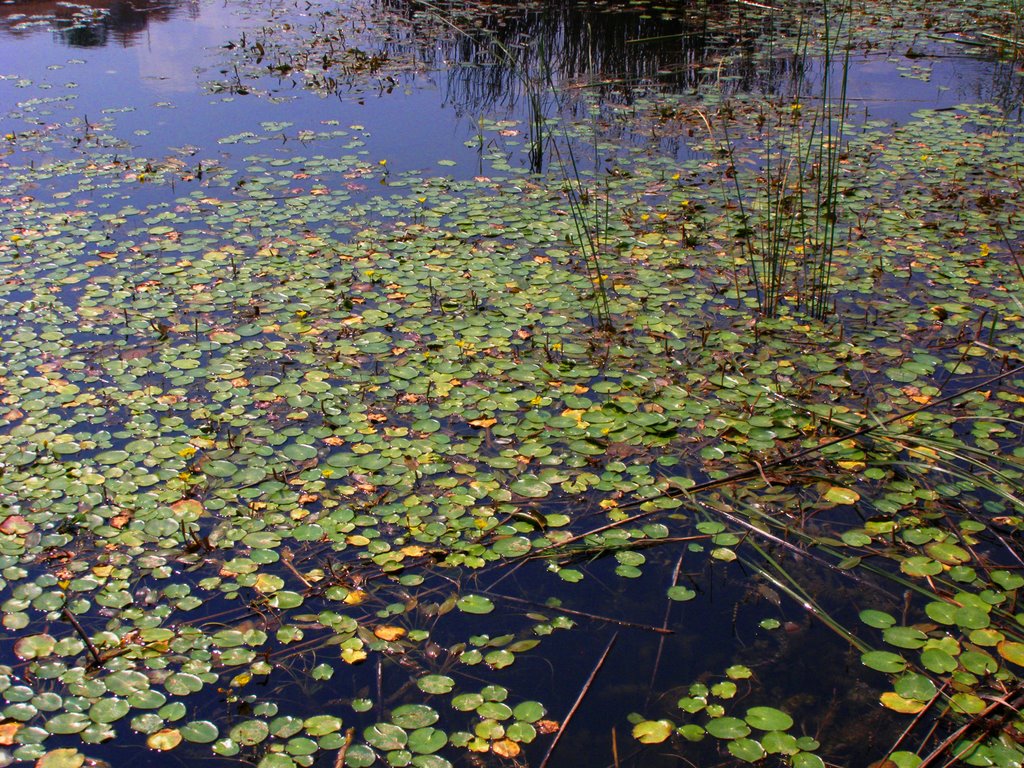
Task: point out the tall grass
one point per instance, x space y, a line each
790 205
591 214
529 63
590 208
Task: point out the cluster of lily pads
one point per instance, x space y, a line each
266 433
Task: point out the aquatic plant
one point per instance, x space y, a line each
789 204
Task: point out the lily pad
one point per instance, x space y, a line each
426 741
530 487
435 684
164 740
768 719
61 758
474 604
727 728
653 731
412 716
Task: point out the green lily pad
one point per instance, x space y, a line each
385 736
904 637
412 716
681 594
199 732
320 725
915 686
840 495
108 710
467 702
877 619
426 741
747 750
807 760
938 661
948 553
653 731
35 646
883 661
474 604
768 719
67 722
435 684
219 468
61 758
727 728
529 711
249 732
276 760
530 487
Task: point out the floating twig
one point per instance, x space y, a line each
661 641
85 638
286 559
981 717
583 614
339 761
917 719
579 700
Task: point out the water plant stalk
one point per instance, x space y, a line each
784 582
789 212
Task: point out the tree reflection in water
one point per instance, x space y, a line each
92 24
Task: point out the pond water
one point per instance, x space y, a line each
408 384
161 75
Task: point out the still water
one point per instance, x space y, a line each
190 83
164 75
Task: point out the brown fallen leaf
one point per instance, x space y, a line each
547 726
389 634
505 748
8 731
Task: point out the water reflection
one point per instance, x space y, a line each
498 53
531 61
91 24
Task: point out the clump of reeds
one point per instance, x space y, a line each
790 206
